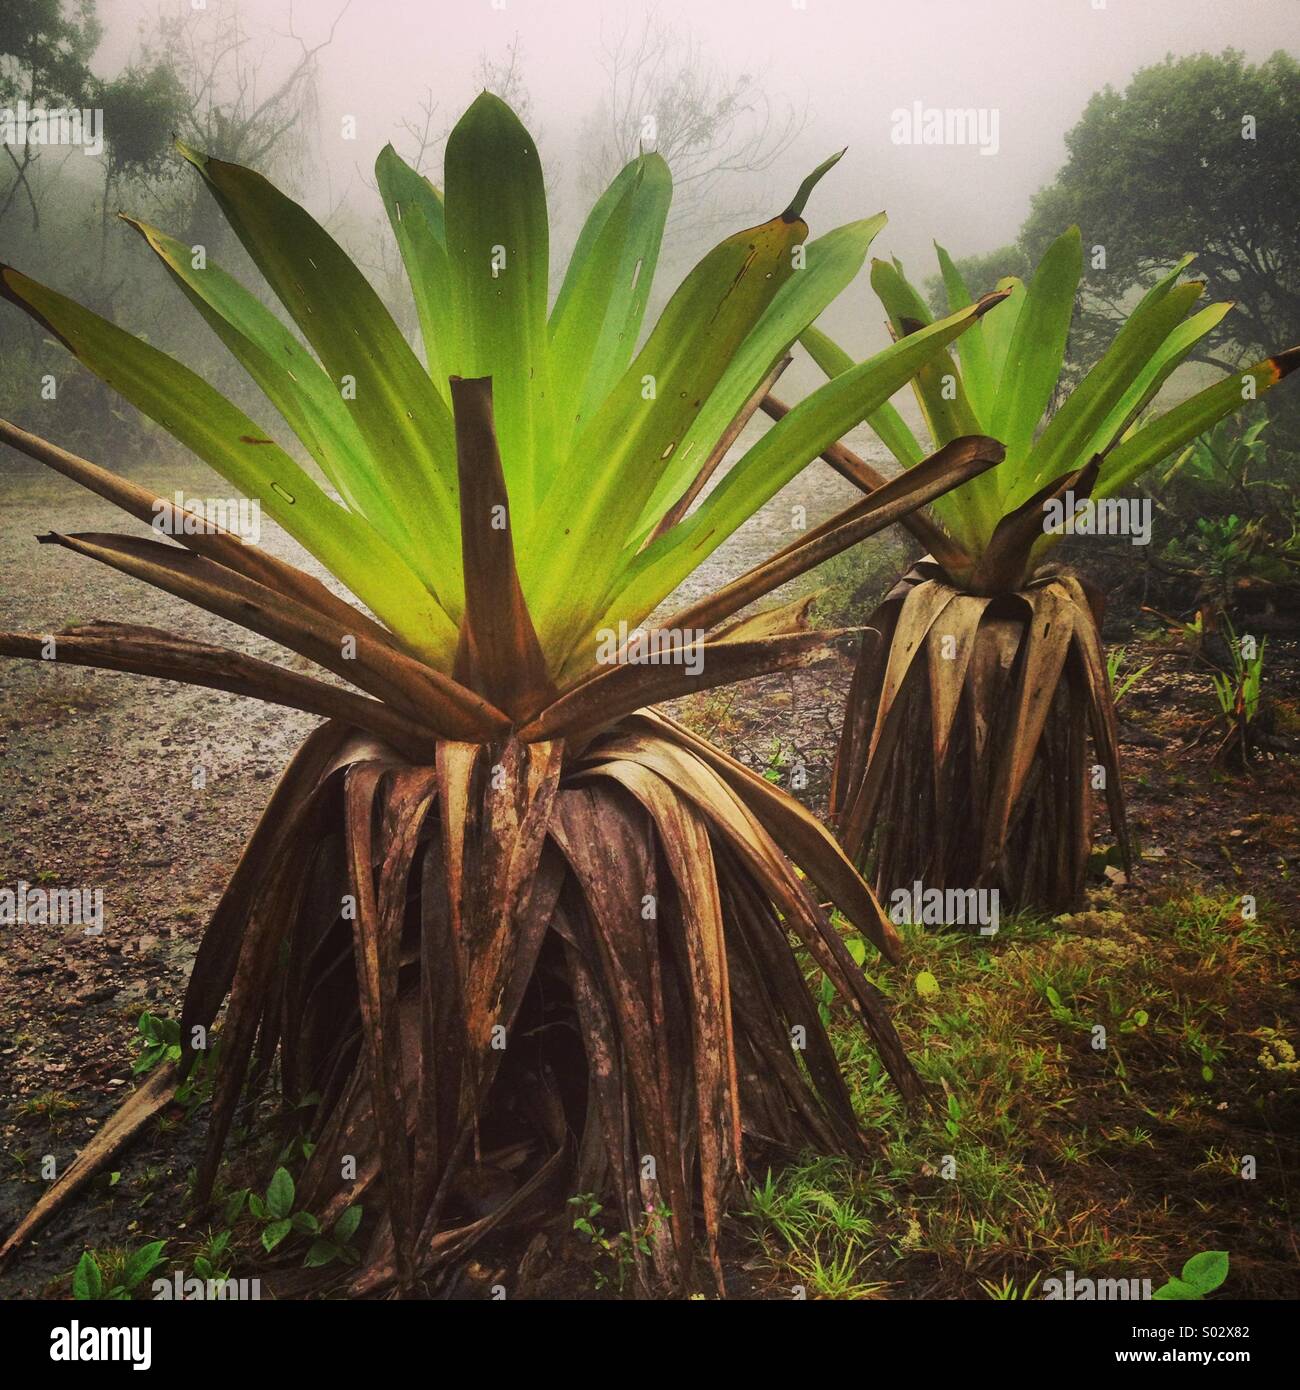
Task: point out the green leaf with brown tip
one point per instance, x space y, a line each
1159 439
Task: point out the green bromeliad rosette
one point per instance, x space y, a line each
514 933
963 760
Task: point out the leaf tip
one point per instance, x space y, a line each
196 157
800 200
143 228
989 301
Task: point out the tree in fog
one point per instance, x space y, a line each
664 92
1196 154
45 52
235 90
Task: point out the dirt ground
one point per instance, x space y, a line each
98 773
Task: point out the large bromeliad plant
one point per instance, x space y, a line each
963 761
514 933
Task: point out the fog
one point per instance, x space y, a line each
842 67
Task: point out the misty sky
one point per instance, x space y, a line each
851 62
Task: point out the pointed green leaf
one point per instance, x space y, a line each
823 350
1060 446
972 349
1164 361
895 433
1206 1271
590 516
279 1195
800 200
346 1226
142 1262
941 395
1176 1291
87 1281
1166 282
404 421
415 213
1037 347
597 316
791 444
275 1233
938 385
291 379
1157 440
902 301
498 251
998 327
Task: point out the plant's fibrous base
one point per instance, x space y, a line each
964 760
526 971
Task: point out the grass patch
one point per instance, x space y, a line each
1105 1085
52 1107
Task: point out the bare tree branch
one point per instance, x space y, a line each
663 93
